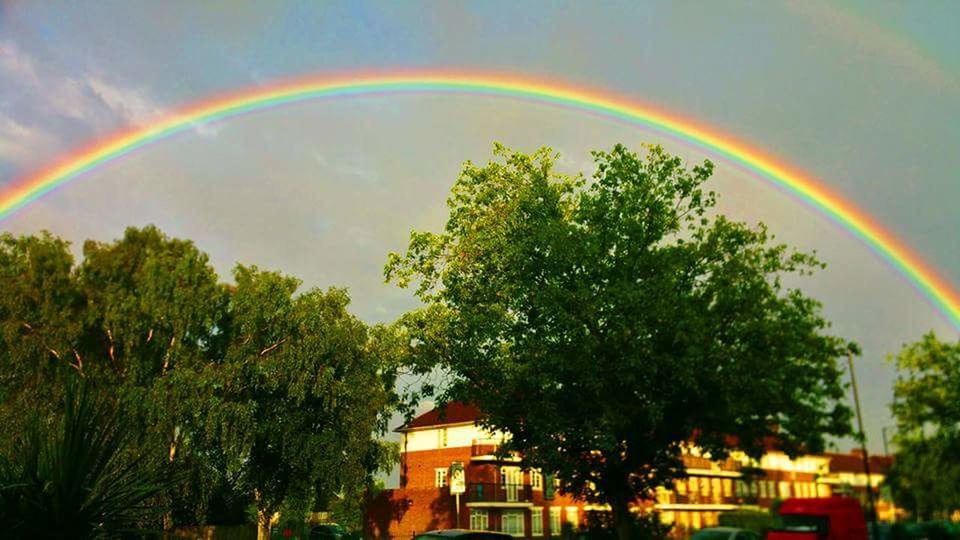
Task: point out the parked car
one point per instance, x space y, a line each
463 534
724 533
330 531
830 518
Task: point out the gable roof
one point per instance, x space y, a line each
454 413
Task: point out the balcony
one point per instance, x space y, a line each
498 493
482 449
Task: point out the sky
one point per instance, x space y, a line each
863 96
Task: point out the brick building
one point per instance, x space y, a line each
500 495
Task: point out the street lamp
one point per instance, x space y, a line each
863 445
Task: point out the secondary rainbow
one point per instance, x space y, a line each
936 289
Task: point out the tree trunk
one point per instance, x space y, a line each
622 520
263 525
168 516
263 517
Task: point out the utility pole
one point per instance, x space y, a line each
871 503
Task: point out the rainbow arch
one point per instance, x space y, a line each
904 260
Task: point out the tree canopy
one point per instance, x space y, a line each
605 323
926 474
251 393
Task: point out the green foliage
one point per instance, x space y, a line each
757 521
79 477
925 477
254 392
644 526
605 322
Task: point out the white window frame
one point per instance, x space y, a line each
516 523
440 477
479 519
536 480
442 438
555 520
536 521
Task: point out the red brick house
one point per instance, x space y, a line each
501 496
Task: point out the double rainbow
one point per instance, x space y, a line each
937 290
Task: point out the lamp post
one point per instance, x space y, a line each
883 432
871 503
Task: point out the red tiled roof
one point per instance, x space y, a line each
853 463
454 413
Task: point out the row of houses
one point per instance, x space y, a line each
452 477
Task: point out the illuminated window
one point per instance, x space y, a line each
681 487
440 477
479 521
572 517
763 489
536 521
728 487
784 490
555 520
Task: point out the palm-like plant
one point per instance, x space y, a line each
77 477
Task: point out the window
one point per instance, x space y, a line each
536 480
536 521
479 520
763 489
555 521
741 491
442 438
727 487
784 490
681 487
572 517
440 477
511 522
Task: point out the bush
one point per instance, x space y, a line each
77 477
646 526
757 521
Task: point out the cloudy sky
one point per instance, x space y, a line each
863 96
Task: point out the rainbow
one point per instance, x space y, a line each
937 290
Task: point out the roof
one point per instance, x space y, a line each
853 463
455 412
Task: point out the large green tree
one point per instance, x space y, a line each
926 474
299 394
40 305
246 393
604 323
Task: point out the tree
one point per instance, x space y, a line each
925 477
239 391
41 325
299 396
605 324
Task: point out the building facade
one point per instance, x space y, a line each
495 493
